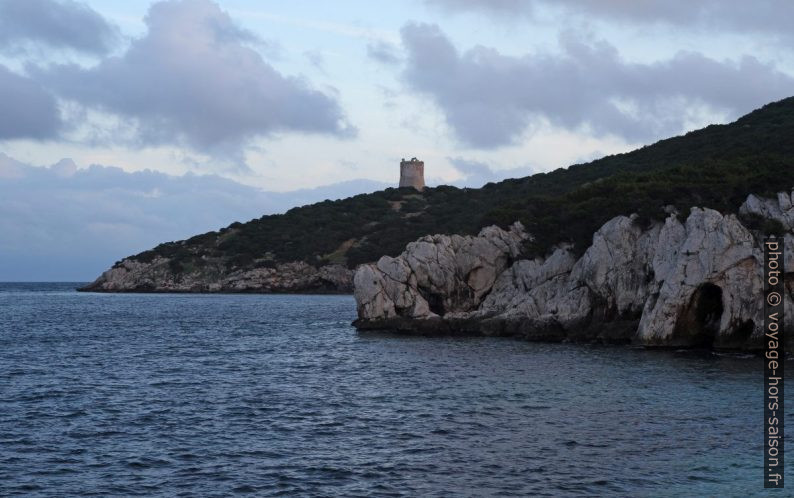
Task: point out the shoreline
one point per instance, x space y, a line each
226 292
633 346
444 328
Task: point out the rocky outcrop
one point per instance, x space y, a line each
159 275
676 284
780 209
436 274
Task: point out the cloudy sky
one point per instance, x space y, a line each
126 123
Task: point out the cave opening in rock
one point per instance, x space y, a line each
435 303
700 322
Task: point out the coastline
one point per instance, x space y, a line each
693 283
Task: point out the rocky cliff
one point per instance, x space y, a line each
160 275
690 283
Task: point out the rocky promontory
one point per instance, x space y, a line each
315 247
684 282
161 275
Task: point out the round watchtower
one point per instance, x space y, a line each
412 173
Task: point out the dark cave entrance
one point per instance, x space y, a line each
698 325
434 302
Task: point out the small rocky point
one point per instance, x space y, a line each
696 283
157 275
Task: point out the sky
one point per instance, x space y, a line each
129 123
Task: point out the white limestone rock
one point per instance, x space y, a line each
781 208
695 284
716 251
437 274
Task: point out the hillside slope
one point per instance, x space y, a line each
715 167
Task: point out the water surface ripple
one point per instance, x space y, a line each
215 395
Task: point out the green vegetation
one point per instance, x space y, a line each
716 167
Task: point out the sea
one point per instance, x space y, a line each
278 395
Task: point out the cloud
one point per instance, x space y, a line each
67 223
56 24
476 173
490 100
26 109
315 58
383 52
502 7
194 80
10 168
765 16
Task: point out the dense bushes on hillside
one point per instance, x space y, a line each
574 216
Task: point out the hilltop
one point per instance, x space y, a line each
714 167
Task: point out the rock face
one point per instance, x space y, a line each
691 284
158 276
436 275
780 209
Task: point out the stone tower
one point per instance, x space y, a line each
412 173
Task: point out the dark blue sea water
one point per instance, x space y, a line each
217 395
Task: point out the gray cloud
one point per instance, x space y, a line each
383 52
194 80
56 24
65 223
501 7
476 173
490 99
26 109
770 16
